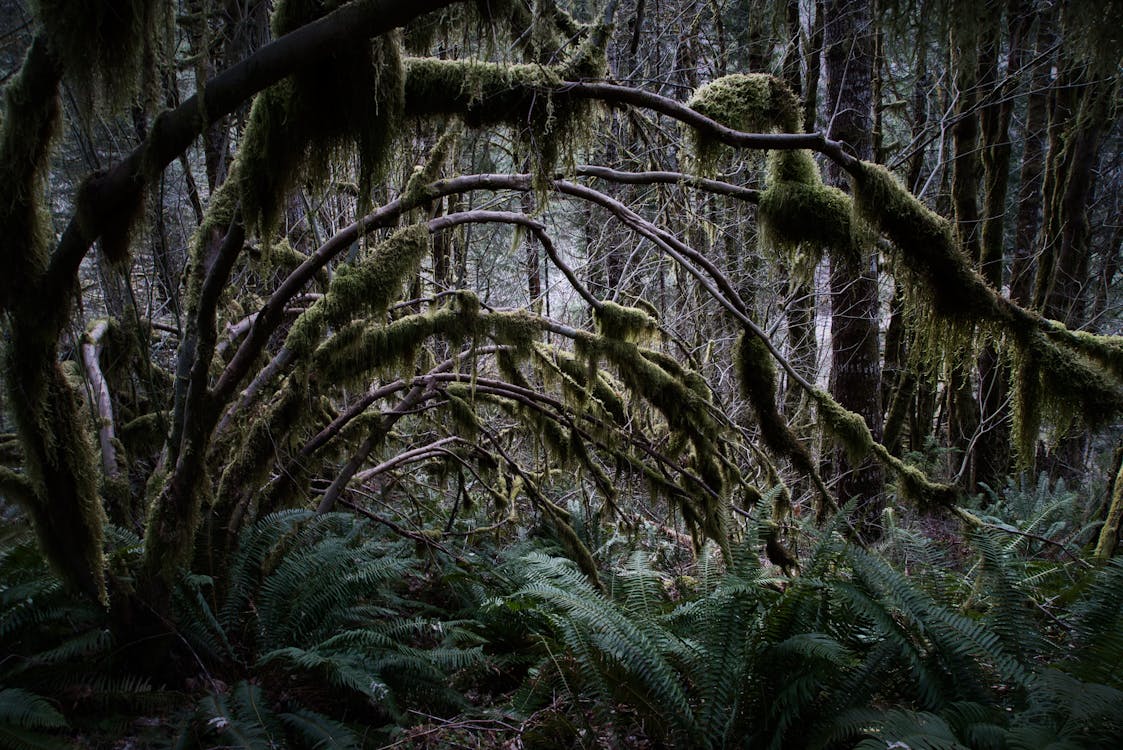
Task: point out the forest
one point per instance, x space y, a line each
561 373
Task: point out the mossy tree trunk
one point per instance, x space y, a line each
855 381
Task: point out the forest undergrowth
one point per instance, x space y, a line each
327 631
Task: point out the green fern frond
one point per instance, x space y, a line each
318 731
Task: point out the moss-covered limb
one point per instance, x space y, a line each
59 461
853 434
31 120
103 404
173 132
757 373
58 458
1108 540
928 252
174 515
1082 377
709 128
755 103
367 287
630 324
488 94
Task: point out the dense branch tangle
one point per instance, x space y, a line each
287 423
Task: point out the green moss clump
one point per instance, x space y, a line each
630 324
812 216
519 330
753 103
1105 351
368 287
848 428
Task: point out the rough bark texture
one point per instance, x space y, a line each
848 43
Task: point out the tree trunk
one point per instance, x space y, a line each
848 44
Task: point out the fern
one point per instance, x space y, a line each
24 716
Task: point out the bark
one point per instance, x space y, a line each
848 43
1028 221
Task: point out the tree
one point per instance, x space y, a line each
320 270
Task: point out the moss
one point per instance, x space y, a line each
442 153
529 98
518 330
594 384
757 373
926 248
370 287
1105 351
253 460
811 216
358 349
624 323
754 103
108 49
31 122
300 127
848 428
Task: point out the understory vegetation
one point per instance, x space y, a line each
546 374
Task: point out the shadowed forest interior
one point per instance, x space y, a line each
559 373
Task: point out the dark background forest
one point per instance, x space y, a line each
521 373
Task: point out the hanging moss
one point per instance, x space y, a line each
595 385
1082 379
108 49
442 153
813 216
631 324
1105 351
529 98
349 356
303 125
928 251
30 124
